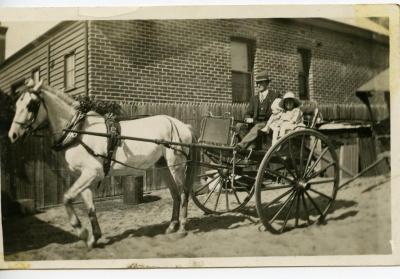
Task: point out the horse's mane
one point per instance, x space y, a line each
64 97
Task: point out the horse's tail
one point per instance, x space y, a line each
193 132
193 158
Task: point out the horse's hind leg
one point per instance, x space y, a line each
87 196
179 194
188 177
175 194
183 216
176 202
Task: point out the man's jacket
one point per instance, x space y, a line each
260 112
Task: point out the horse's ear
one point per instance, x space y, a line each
29 83
37 86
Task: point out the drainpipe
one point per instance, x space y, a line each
3 31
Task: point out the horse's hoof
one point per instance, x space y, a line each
170 230
83 235
91 242
182 233
173 227
96 237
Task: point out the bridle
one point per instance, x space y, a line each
32 107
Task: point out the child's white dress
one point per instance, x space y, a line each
274 123
290 119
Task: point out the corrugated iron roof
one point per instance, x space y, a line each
364 23
379 83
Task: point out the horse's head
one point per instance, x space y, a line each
29 111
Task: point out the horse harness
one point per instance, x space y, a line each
114 130
68 139
33 107
113 141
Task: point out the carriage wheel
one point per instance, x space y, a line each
297 181
219 190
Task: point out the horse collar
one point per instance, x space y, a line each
68 138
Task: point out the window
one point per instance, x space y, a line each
304 63
242 67
36 74
69 71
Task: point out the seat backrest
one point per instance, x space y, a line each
312 118
316 118
216 130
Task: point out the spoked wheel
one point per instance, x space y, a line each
224 184
297 181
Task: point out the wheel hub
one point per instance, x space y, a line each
224 172
304 185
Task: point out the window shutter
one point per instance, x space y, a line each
241 69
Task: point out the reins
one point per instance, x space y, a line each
34 107
94 154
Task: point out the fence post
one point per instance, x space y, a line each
132 189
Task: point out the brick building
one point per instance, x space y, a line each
180 60
210 60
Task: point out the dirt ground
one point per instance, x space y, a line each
359 225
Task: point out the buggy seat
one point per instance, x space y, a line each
310 120
217 130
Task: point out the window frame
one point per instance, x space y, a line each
251 46
68 55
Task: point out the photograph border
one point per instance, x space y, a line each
237 11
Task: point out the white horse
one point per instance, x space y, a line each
40 103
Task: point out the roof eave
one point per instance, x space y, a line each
338 26
35 42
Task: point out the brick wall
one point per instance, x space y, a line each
189 60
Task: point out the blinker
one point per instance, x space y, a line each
33 106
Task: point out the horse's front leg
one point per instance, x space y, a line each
87 196
83 182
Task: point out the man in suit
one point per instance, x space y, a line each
258 112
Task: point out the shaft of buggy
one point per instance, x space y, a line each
156 141
362 172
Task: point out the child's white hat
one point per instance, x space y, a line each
289 95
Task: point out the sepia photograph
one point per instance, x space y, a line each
191 138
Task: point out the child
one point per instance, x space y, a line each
274 122
291 116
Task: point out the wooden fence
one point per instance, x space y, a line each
31 170
192 113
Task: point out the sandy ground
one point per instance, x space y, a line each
359 225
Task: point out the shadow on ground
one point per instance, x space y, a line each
206 223
209 223
339 204
33 234
377 184
149 231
